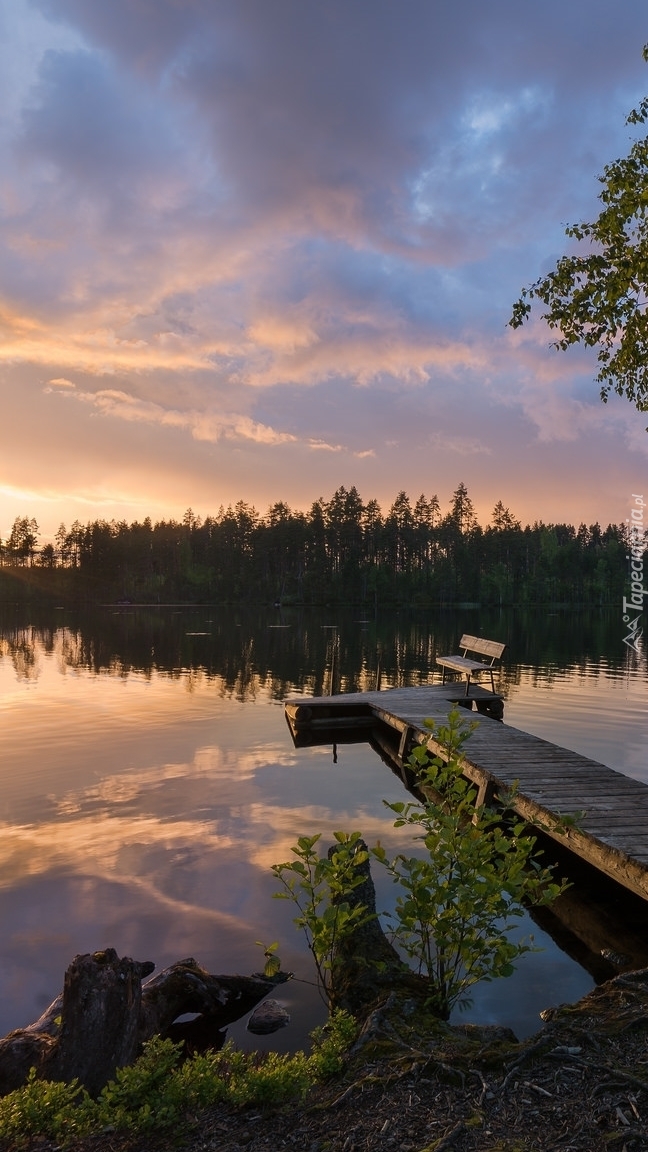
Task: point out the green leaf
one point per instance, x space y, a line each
272 966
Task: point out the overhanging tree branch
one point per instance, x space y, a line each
599 299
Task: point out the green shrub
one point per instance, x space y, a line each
320 887
459 898
330 1043
159 1092
42 1108
143 1095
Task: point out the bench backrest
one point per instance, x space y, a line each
490 648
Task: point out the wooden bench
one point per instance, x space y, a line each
470 668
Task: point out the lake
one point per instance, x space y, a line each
149 780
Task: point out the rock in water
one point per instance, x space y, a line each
268 1017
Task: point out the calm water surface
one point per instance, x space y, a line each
149 780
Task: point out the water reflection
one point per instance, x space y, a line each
149 781
292 649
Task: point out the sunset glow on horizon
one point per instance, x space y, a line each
255 251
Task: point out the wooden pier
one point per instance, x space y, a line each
553 782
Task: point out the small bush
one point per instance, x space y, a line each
159 1092
475 871
143 1095
320 887
330 1042
42 1108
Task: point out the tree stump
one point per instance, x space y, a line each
365 966
99 1019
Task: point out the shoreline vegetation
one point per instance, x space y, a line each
342 551
407 1083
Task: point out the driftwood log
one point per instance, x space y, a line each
104 1015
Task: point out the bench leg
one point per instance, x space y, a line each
467 685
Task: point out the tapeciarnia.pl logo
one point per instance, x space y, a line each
634 604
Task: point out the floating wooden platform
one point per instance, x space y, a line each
612 835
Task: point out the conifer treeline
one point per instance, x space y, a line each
342 550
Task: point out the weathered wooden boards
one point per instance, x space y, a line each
612 833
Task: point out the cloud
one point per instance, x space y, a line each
365 355
462 445
203 426
322 446
294 232
59 382
207 426
280 334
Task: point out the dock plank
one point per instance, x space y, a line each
613 833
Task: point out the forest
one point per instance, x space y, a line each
341 551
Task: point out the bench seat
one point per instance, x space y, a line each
470 668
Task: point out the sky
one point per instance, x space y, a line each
258 249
